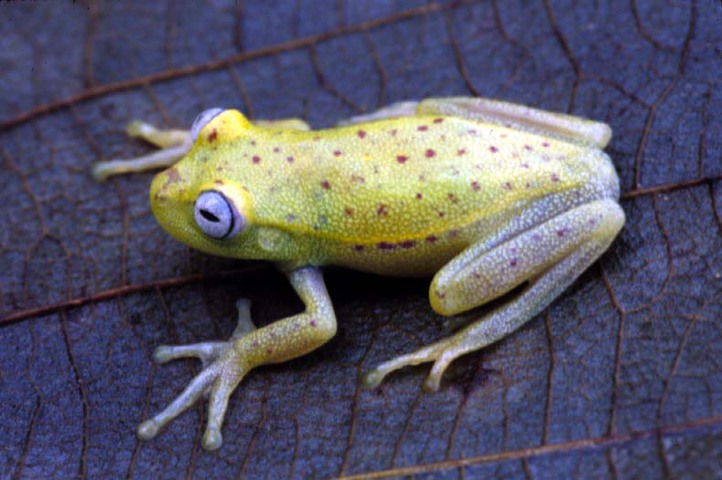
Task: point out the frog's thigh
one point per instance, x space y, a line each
549 256
558 125
399 109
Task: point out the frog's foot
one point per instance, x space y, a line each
223 369
207 352
442 353
174 144
220 378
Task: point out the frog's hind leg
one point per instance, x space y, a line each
174 144
550 257
520 117
395 110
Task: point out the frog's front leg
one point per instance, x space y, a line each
173 144
549 257
226 363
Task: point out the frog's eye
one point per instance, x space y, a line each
202 120
216 215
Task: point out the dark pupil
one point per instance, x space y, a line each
209 216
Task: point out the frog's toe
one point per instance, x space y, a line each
195 390
432 382
426 354
224 386
219 379
245 324
206 352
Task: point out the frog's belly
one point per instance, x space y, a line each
410 258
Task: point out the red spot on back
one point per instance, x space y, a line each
313 322
475 185
524 165
432 238
401 158
256 159
337 153
545 144
289 159
382 210
422 128
528 148
419 196
253 143
212 136
393 132
348 211
358 248
438 120
326 185
460 152
386 246
430 153
361 134
407 244
276 149
493 149
508 186
555 177
452 198
561 232
513 262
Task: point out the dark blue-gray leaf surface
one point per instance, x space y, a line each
621 377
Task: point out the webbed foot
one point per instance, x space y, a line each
223 369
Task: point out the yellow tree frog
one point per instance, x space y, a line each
483 195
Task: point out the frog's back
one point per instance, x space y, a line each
395 194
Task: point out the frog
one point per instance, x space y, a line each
495 201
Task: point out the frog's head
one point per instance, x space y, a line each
195 200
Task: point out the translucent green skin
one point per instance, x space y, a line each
484 195
399 196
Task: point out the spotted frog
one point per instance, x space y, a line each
490 198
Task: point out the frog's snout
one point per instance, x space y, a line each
158 194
